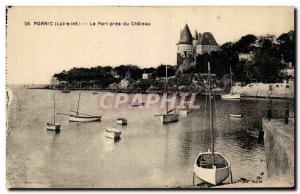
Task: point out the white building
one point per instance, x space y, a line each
145 76
54 81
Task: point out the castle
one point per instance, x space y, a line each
190 47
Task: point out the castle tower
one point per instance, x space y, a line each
185 50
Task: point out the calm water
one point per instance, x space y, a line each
149 154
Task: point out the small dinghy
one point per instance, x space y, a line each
112 133
122 121
53 126
255 132
236 116
212 168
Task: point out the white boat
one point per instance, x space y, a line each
82 117
236 115
211 167
53 126
231 95
170 116
122 121
212 170
112 133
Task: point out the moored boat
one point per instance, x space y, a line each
231 95
235 115
170 116
136 103
53 126
112 133
82 117
211 167
122 121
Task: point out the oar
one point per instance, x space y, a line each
158 115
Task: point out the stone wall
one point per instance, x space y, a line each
279 150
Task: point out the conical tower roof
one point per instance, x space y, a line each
186 36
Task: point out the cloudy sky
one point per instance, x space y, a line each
35 53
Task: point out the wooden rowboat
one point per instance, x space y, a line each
112 133
122 121
212 172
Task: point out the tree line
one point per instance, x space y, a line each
270 55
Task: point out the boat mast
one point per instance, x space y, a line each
211 116
167 86
78 98
54 106
231 80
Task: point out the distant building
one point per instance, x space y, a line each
288 71
189 47
146 76
246 56
124 83
54 81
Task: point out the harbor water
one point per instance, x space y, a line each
148 155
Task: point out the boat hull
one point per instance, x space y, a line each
169 118
74 118
231 96
214 175
53 127
121 122
235 116
112 133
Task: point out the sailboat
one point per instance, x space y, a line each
211 167
231 95
82 117
95 88
53 126
170 115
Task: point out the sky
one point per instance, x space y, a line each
35 52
